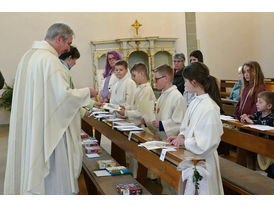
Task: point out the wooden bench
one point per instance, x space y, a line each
166 170
245 142
227 85
104 185
241 180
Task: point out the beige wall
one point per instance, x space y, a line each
19 30
227 40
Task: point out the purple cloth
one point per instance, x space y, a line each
105 89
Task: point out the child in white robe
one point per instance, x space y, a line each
202 128
143 95
170 107
170 110
123 90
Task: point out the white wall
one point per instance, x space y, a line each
19 30
227 40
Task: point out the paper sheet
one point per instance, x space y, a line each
102 173
94 155
132 132
113 120
227 118
102 116
163 153
260 127
129 128
155 145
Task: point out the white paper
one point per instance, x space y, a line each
163 153
113 120
95 109
102 173
154 145
103 115
92 155
130 134
99 112
111 107
260 127
227 118
128 128
124 123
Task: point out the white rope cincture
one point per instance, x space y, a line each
187 167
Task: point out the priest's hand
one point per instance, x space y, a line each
155 123
122 110
176 140
93 92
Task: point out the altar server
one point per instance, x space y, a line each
44 149
171 105
123 90
144 96
202 128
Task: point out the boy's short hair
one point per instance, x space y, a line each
268 96
165 70
121 62
140 67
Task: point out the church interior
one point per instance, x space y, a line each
226 39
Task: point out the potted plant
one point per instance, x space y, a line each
6 98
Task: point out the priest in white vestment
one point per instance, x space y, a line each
44 148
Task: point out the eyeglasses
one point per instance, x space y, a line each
156 79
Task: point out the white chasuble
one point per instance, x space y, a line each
143 97
202 128
45 112
123 92
170 109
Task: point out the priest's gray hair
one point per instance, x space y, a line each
179 56
59 28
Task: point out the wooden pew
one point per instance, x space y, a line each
254 182
167 170
227 85
104 185
228 106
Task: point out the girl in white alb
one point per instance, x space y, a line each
201 129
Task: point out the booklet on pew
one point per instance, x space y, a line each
128 128
155 145
111 107
119 170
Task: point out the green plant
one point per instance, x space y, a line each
6 98
196 178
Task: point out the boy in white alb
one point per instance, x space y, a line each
170 110
144 96
123 90
171 105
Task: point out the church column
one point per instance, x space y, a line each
191 34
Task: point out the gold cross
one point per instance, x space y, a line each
136 25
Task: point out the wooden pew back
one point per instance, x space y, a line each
227 85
